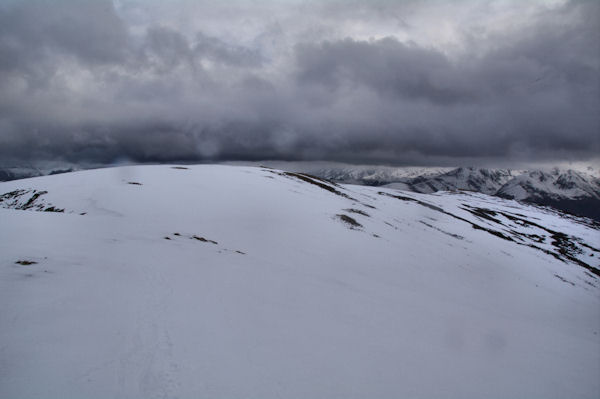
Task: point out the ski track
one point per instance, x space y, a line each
149 360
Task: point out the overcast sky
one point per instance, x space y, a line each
402 82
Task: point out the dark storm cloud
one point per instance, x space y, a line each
81 82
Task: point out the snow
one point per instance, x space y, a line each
290 302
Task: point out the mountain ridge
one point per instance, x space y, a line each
573 191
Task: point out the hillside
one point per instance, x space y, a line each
225 281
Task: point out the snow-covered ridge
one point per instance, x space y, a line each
221 281
518 184
556 184
486 181
567 190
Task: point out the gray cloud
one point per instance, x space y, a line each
219 51
90 31
385 66
88 81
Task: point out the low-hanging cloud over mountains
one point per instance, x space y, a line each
402 82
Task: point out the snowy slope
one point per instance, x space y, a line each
221 281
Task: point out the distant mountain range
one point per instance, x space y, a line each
16 173
567 190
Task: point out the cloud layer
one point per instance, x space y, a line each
379 81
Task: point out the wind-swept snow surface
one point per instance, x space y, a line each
227 282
